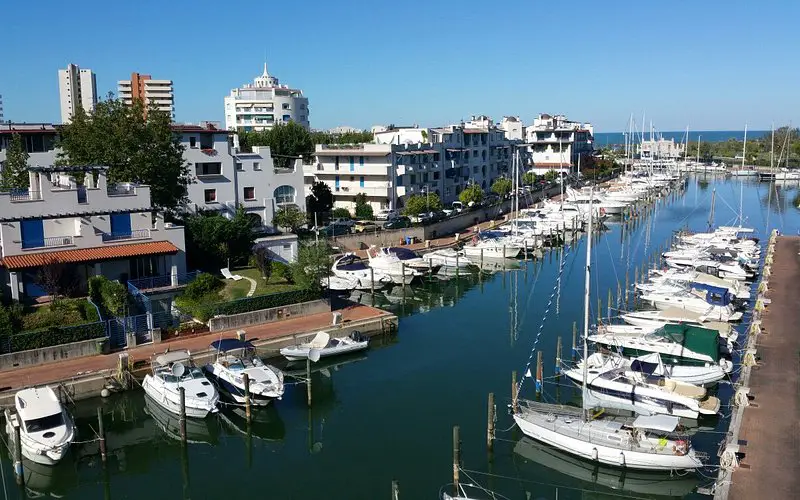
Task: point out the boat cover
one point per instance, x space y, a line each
695 338
171 357
666 423
320 340
224 345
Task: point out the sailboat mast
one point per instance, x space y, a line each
711 213
587 291
772 151
741 182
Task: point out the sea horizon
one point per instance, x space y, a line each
614 138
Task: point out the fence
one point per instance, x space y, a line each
136 286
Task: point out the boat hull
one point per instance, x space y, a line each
171 401
299 353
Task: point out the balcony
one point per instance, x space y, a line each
157 282
136 234
18 195
122 190
49 242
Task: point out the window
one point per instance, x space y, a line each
249 193
213 168
239 166
336 185
413 179
400 180
287 118
436 176
121 225
206 141
352 178
286 106
352 163
425 177
336 162
286 194
256 165
192 142
361 181
210 195
361 160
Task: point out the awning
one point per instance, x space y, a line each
88 254
666 423
419 152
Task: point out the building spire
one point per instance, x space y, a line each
265 75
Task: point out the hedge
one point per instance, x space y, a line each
266 301
55 335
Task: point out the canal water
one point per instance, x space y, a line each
388 414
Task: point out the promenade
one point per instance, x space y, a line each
771 426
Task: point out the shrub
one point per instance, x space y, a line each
205 284
282 270
65 312
56 335
6 324
341 213
110 296
266 301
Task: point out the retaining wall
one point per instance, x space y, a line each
48 354
221 323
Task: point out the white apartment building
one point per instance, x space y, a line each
265 103
99 228
149 91
406 161
555 143
663 149
512 126
223 179
39 140
77 87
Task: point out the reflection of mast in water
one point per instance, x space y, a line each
513 309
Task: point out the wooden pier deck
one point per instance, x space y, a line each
771 427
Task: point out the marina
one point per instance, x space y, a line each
458 340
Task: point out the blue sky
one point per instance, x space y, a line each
711 65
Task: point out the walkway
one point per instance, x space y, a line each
64 370
253 286
771 427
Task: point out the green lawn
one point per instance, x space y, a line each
238 289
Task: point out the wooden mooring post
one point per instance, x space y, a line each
19 473
182 415
308 366
490 417
514 395
101 434
456 459
557 368
395 490
539 372
247 413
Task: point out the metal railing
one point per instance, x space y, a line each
136 234
122 190
165 281
52 241
24 195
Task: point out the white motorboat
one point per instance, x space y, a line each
647 442
46 428
339 283
616 387
351 266
699 301
447 258
326 346
652 364
491 248
673 279
236 358
400 264
171 371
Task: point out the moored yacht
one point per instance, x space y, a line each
46 428
172 370
236 358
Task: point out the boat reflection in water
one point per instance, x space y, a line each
198 430
265 422
602 479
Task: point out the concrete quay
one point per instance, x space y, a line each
83 378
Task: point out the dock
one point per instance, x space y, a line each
83 378
769 431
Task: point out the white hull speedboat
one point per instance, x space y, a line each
173 370
400 264
492 249
339 283
447 258
236 358
326 346
609 441
46 428
658 318
690 302
699 375
350 266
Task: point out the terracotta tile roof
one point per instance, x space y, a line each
89 254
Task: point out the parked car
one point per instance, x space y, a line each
335 229
342 221
387 214
431 217
366 226
456 208
490 199
398 223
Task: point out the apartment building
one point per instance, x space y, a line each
77 88
264 104
94 227
556 143
223 178
39 140
661 149
149 91
405 161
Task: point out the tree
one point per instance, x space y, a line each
341 213
357 137
290 217
319 202
214 242
313 264
551 175
471 193
363 208
502 186
15 171
286 141
420 203
57 278
264 261
529 178
134 148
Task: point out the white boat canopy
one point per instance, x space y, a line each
666 423
172 357
320 340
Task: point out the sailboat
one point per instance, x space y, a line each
644 442
742 171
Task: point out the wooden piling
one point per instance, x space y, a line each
403 274
101 434
372 280
558 356
514 395
182 415
456 458
490 422
539 373
395 490
246 379
18 470
308 378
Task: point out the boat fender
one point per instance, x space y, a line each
622 459
680 447
594 454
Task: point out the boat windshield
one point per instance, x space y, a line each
193 373
235 365
44 423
